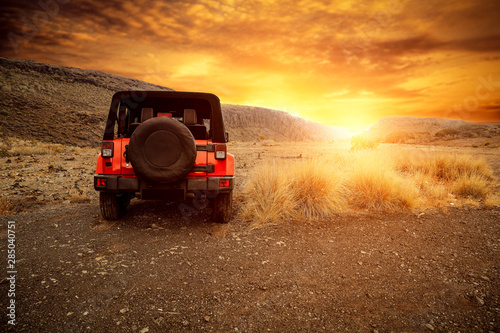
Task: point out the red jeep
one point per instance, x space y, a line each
162 145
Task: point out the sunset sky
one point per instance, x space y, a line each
341 63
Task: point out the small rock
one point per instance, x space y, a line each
124 310
485 278
144 330
479 300
69 313
207 318
185 323
429 326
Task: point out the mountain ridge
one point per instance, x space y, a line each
69 105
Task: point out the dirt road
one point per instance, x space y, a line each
156 271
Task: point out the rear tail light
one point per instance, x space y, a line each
224 183
107 149
101 181
220 152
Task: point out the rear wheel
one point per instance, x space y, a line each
113 206
223 206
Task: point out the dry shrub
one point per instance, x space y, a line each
432 193
78 196
268 192
471 186
22 148
447 167
370 180
306 189
492 201
374 184
317 187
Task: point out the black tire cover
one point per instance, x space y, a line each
162 150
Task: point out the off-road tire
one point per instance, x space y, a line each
113 206
162 150
222 207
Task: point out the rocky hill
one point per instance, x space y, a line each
68 105
248 123
431 130
414 124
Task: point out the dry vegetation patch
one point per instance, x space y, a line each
372 180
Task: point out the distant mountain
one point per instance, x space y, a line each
247 123
428 130
68 105
413 124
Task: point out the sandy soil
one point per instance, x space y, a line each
157 270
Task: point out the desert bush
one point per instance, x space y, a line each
78 196
374 184
317 187
369 180
302 190
22 148
447 167
268 195
471 186
361 142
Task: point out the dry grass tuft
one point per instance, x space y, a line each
471 186
317 188
366 179
23 148
374 184
305 189
78 196
447 167
268 192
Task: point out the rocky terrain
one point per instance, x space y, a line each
160 269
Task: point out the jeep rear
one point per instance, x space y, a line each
164 145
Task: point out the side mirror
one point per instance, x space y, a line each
227 136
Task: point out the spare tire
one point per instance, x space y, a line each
162 150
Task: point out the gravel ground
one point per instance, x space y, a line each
158 270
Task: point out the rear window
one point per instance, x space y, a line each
130 112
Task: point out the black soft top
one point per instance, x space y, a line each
206 105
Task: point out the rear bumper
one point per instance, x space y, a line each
117 184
